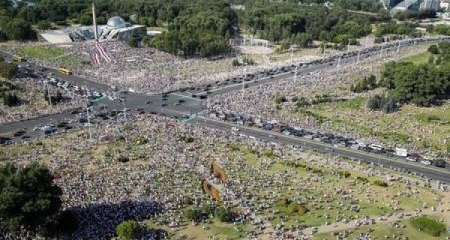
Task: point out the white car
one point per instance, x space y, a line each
425 162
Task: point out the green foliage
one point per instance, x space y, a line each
197 214
366 84
139 140
289 207
28 196
421 14
269 154
132 42
383 103
284 21
43 25
380 183
128 230
186 139
123 159
224 214
7 70
423 85
16 28
55 98
244 62
433 49
279 99
429 226
10 99
344 174
396 28
362 179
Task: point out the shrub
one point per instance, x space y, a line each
224 214
123 159
344 174
380 183
429 226
194 214
433 49
128 230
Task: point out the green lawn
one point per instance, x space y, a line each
41 52
419 58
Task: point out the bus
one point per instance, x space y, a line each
65 70
18 58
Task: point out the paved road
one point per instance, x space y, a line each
429 171
182 102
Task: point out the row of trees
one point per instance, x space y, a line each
396 28
283 21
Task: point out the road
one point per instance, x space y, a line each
187 102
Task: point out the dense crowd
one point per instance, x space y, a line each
147 70
33 103
164 173
259 101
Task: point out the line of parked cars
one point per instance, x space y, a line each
328 138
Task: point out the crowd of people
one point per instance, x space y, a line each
145 69
33 102
260 101
164 172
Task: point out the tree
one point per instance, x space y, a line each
132 42
18 29
43 25
7 70
28 196
433 49
224 215
11 100
128 230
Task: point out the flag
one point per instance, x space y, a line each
102 52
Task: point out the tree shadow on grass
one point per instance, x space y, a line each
98 221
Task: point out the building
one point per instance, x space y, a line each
414 5
115 29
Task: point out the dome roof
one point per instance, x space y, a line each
116 22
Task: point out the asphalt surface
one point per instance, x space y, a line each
440 174
187 102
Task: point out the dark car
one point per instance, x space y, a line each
83 120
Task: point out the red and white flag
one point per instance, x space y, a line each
102 52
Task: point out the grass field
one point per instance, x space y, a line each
419 58
379 231
44 52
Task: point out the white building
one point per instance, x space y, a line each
115 29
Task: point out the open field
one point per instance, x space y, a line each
419 58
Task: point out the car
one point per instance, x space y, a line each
163 104
61 124
25 137
83 120
5 140
18 133
141 112
148 102
67 127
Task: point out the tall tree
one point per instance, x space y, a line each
28 196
